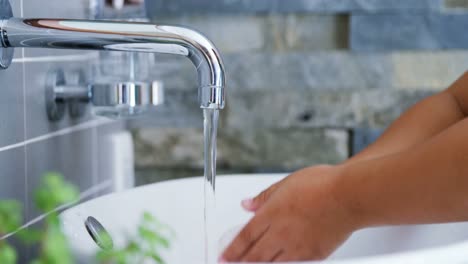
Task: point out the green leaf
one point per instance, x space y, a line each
148 217
147 234
29 236
55 247
150 238
53 192
7 254
10 216
132 247
156 257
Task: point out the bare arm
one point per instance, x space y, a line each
316 209
426 184
417 172
421 122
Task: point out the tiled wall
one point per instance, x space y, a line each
30 144
279 6
308 81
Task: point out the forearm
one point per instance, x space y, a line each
421 122
426 184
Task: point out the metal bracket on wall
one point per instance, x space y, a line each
114 99
6 54
55 107
118 9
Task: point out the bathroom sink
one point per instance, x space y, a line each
179 203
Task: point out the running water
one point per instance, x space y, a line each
210 124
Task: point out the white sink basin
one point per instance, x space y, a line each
179 203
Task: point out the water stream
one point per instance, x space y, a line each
210 125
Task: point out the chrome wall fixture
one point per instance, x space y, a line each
6 54
117 36
115 99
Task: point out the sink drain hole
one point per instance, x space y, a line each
98 233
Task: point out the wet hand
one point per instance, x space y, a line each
298 218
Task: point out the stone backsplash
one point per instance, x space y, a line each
308 82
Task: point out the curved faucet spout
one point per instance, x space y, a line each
124 36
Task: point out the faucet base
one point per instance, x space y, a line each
6 54
55 108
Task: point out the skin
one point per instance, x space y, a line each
415 173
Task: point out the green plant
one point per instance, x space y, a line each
53 192
10 220
151 238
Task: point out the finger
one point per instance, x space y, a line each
255 203
281 257
253 231
266 248
277 257
297 256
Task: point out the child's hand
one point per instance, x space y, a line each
296 219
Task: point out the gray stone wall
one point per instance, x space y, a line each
308 81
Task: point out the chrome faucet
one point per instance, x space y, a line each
117 36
